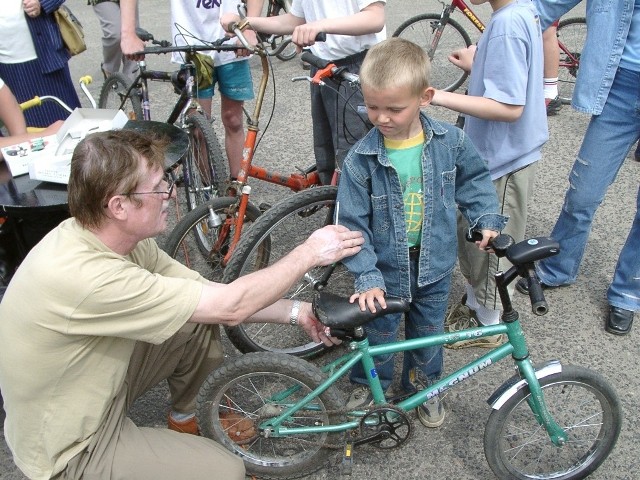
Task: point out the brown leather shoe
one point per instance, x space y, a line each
187 426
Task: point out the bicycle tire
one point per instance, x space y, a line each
195 241
580 401
114 90
241 393
205 168
284 226
420 30
572 33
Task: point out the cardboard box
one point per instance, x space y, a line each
20 155
56 167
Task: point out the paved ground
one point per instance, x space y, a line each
572 331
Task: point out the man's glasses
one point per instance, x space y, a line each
167 193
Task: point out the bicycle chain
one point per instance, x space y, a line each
354 433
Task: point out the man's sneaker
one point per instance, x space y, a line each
360 397
554 105
467 319
431 413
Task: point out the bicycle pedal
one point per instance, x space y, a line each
347 459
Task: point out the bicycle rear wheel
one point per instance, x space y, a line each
248 390
205 168
281 228
114 92
582 402
423 30
201 239
572 34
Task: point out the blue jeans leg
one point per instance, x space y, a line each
426 317
606 143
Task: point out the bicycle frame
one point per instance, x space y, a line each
447 10
364 353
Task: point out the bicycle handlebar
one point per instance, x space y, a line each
238 28
328 69
523 260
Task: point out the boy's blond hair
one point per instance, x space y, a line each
396 62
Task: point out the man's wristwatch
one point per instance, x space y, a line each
295 310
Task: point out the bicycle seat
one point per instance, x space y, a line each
335 311
532 249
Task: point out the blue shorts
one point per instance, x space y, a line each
234 82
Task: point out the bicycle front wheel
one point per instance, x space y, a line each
581 402
113 95
439 42
205 168
572 34
281 228
249 390
202 238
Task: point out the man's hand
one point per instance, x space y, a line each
367 299
32 7
313 327
333 243
463 58
130 43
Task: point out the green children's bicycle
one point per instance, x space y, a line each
284 416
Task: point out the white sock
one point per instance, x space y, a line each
551 88
487 316
181 417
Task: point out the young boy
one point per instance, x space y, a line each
352 27
401 186
507 122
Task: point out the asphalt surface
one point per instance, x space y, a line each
572 331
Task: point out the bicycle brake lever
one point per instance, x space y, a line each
308 79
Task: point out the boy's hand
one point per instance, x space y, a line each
463 58
313 328
366 299
227 19
305 35
486 236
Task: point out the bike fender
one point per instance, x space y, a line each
509 388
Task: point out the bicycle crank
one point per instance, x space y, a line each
385 427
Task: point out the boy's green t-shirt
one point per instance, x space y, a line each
405 156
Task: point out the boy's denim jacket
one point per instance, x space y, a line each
608 23
370 201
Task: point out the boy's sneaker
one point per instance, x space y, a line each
360 397
462 317
431 413
554 105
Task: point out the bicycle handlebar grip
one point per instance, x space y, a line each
34 102
311 59
538 303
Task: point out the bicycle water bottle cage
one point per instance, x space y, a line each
337 313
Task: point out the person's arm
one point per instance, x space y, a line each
11 113
480 107
129 41
278 25
230 304
370 19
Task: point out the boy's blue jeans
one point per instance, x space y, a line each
426 317
606 143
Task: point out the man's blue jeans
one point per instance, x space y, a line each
606 144
426 317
